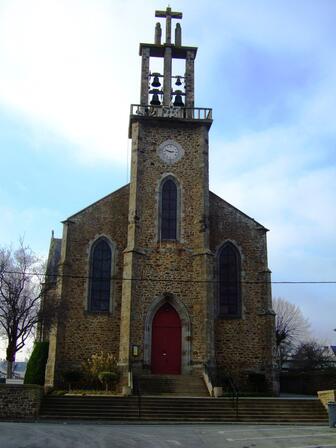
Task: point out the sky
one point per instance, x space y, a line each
69 70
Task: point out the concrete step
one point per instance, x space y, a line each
186 385
183 409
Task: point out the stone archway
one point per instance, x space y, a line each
182 312
166 341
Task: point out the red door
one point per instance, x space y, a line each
166 341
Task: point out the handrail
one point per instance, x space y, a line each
219 378
235 393
211 372
137 391
188 113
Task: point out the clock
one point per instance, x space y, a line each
170 151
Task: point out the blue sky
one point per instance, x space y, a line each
70 69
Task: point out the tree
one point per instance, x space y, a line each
312 355
290 327
21 289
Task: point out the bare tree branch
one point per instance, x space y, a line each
291 327
21 289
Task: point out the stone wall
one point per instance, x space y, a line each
182 272
20 401
244 346
83 333
309 382
174 271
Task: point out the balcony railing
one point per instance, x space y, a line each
188 113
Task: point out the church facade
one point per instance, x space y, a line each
163 273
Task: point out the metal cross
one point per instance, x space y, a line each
168 14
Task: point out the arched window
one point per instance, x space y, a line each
100 276
168 210
229 281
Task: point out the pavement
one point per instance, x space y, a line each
97 435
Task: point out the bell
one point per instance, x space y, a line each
155 98
156 81
178 99
178 81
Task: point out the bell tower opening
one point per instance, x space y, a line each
167 88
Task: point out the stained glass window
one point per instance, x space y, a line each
169 210
100 276
229 282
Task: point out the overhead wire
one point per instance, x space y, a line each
151 279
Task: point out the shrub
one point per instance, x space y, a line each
72 376
108 379
97 363
37 363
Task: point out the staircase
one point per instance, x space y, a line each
172 385
184 409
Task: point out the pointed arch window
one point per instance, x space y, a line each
229 281
100 276
169 210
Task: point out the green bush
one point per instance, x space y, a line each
72 376
37 363
108 379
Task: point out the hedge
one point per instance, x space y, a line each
37 364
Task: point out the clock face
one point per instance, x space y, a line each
170 151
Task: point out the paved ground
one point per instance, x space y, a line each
84 435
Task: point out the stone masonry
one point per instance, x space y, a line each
148 272
20 401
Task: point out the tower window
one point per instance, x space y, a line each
100 276
169 198
229 281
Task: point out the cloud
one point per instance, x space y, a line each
69 67
284 175
31 223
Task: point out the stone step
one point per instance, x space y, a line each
186 385
183 409
163 408
191 414
183 402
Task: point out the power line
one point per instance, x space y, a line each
136 279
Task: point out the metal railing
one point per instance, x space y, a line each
187 113
220 378
137 392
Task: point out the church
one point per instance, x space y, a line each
163 273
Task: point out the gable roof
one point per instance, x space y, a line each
110 195
227 204
125 187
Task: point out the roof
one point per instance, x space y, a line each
99 200
127 186
239 211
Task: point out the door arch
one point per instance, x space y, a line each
166 341
182 312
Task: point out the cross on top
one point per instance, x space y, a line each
168 14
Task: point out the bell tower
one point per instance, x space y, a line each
167 261
168 51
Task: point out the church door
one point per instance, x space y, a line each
166 341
